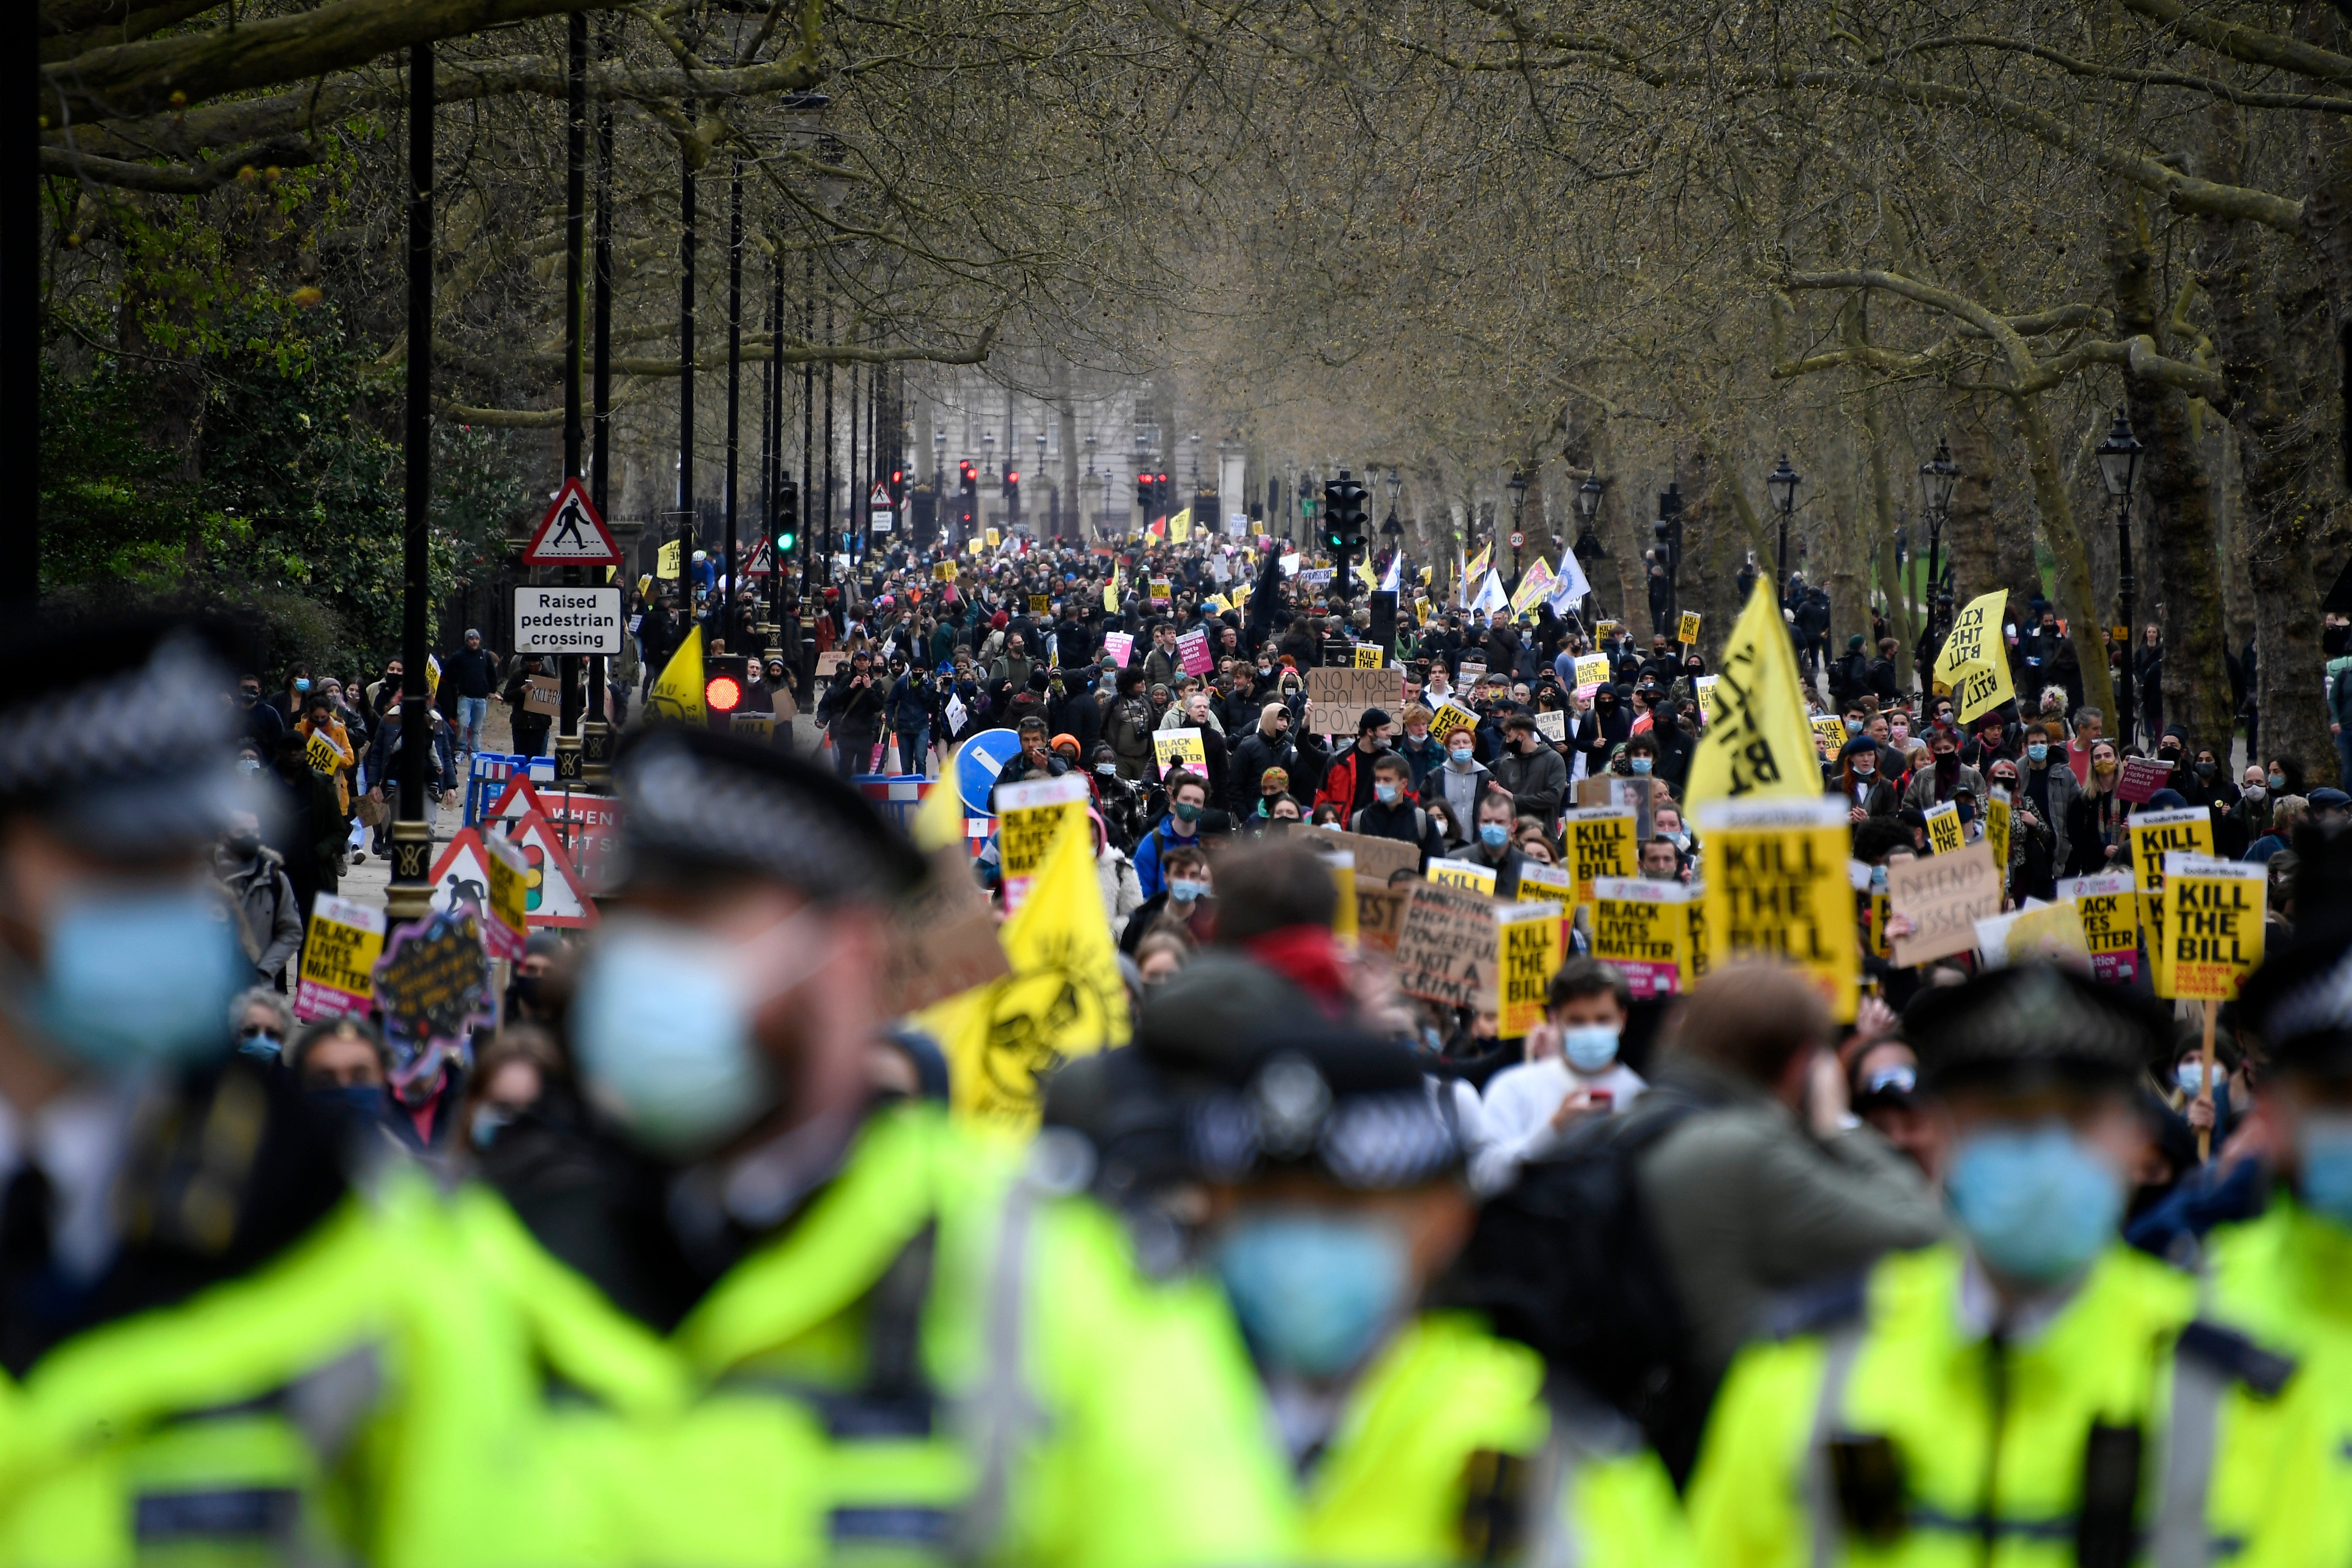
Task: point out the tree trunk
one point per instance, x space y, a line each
2086 624
2177 500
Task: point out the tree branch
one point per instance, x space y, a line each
279 151
2326 103
2251 45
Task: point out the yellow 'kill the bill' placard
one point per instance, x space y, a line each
2213 916
1776 888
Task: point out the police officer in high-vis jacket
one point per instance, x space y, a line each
910 1344
1335 1197
2032 1393
219 1346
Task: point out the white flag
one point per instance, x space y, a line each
1491 597
1570 586
1389 582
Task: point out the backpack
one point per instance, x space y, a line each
1566 1263
1131 726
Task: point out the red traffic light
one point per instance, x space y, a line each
722 693
1143 478
1012 478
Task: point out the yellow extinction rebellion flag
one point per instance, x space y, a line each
677 695
1758 743
1064 997
1974 665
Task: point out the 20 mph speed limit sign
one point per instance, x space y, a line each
568 620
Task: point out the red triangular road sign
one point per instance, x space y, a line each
461 878
880 499
552 892
516 800
571 534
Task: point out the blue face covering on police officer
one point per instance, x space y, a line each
1313 1289
2035 1202
663 1021
2324 1150
134 975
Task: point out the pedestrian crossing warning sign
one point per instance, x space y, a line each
571 534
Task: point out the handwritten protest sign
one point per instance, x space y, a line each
338 956
2213 916
1445 947
1776 888
1552 725
1379 859
1028 816
1193 652
1526 956
542 694
433 983
1179 748
1341 697
1599 842
942 938
1945 834
2046 933
1944 896
1380 914
1467 874
1639 927
2108 907
2141 778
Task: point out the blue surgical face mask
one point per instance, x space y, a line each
358 1102
1459 754
1589 1047
136 977
1639 765
2190 1076
2039 751
1386 794
1314 1291
1494 835
2035 1202
1184 891
260 1043
302 683
2323 1150
663 1030
2278 781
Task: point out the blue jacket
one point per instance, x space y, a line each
1156 843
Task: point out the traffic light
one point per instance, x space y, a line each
1163 497
788 517
1143 496
898 487
1344 516
968 502
724 678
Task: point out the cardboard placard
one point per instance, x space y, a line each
942 938
829 664
1465 874
1552 725
1445 947
1341 696
1379 859
1641 927
2214 912
542 695
2108 908
1599 842
1945 896
1380 914
338 956
1776 888
1527 956
1193 652
2141 778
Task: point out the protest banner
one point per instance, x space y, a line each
1776 888
942 938
1445 947
1118 645
432 982
1552 725
1526 956
1380 914
2141 778
1704 690
1379 859
2108 907
2046 933
1831 728
339 954
2213 916
1946 836
1974 665
1341 696
1943 896
831 663
1370 656
1473 671
992 538
1687 631
1193 652
1999 812
1604 630
1180 748
944 571
1756 742
1028 814
1452 716
1598 841
1467 874
1639 927
2185 830
1041 603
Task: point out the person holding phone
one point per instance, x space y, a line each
1572 1071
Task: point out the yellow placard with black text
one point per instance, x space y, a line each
1777 889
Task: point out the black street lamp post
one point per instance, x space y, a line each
1517 485
2119 457
1669 530
1781 484
1939 477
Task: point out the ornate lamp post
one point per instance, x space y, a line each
2119 457
1781 484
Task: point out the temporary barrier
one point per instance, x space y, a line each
491 771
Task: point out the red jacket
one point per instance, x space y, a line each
1338 787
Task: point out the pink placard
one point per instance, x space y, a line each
1645 979
1118 645
2115 968
2141 778
1193 649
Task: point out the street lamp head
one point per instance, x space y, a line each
1587 503
1939 477
1781 484
939 439
1395 483
2118 458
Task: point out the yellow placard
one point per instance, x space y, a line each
1694 953
1945 834
944 571
322 752
992 539
1449 717
1974 665
1257 530
1161 594
1879 946
1777 889
1041 604
1999 813
2214 917
1463 874
666 560
1181 748
336 973
1527 939
1029 818
510 893
2110 911
1604 630
1599 842
1591 669
1687 632
1833 728
973 547
1368 656
2184 831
